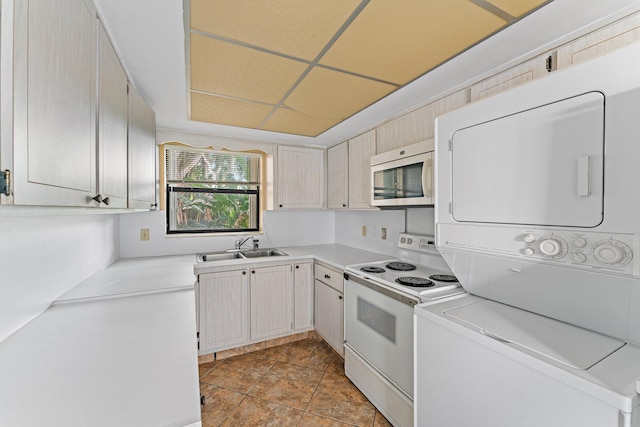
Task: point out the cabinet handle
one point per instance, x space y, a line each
244 272
297 266
280 205
106 201
97 198
154 205
253 272
339 296
326 276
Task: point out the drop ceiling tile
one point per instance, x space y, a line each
401 40
294 27
517 8
331 94
226 69
226 111
290 121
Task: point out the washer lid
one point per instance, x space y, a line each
567 344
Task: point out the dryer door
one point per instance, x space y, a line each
542 166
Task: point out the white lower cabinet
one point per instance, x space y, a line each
271 301
303 296
249 303
329 306
224 309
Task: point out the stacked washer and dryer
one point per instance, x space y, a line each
538 215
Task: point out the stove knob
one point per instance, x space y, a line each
528 251
612 252
578 258
402 240
529 238
409 240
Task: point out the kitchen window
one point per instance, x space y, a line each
209 191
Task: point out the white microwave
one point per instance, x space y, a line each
404 176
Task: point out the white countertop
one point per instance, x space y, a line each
125 361
136 276
336 255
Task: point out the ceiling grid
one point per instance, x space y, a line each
299 67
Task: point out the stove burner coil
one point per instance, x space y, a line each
401 266
370 269
443 277
415 282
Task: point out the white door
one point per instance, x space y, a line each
380 328
329 316
271 301
224 309
542 166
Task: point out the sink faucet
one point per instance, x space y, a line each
241 242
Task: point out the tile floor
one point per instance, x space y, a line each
296 384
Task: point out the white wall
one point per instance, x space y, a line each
349 224
42 257
281 228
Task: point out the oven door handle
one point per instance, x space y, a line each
396 295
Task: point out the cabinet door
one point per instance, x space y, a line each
405 130
142 153
224 309
361 149
338 176
271 301
54 103
510 78
112 125
300 178
329 315
302 296
600 42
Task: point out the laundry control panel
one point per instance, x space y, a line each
576 248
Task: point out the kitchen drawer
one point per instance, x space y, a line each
329 275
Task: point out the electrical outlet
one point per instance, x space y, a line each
144 234
364 231
383 233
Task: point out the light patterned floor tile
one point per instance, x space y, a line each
288 384
337 398
257 412
219 403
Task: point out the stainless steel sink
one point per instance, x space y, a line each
262 253
235 254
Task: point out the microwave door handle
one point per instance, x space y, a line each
427 177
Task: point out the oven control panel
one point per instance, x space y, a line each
613 252
417 242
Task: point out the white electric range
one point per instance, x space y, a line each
379 298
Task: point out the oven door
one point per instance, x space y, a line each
379 326
403 182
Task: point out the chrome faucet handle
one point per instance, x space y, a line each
256 244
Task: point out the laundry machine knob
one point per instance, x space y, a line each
529 238
612 252
528 251
578 242
553 247
578 257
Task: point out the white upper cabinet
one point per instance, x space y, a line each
405 130
142 153
361 148
515 76
54 143
300 179
338 176
600 42
112 125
